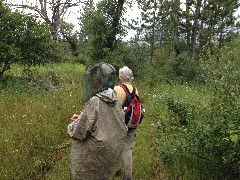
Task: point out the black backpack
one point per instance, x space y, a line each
132 107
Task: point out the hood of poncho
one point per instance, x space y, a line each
109 96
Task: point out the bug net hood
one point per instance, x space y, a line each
97 78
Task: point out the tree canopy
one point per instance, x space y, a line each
24 40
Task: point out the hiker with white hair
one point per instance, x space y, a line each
128 96
99 132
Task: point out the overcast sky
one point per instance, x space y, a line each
73 14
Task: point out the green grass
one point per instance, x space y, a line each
34 143
144 158
144 161
33 128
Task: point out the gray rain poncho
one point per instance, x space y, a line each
98 138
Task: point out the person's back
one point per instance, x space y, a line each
126 77
121 93
98 134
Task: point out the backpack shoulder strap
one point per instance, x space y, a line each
125 88
134 90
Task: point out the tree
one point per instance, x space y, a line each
101 25
66 30
195 28
188 20
24 40
52 12
190 27
150 18
161 23
115 12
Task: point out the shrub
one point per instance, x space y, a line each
183 69
209 144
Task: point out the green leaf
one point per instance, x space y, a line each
234 138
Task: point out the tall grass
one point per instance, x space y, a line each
35 145
33 126
169 126
144 159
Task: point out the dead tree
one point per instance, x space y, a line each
51 11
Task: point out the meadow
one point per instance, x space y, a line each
35 144
189 131
186 68
33 120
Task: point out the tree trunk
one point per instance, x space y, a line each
195 29
202 35
57 7
188 22
176 27
55 22
153 33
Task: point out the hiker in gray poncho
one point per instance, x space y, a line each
99 131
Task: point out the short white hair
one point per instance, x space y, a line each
125 74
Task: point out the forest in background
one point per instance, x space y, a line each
185 56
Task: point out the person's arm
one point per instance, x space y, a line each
86 121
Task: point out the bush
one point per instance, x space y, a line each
168 68
208 144
183 69
134 56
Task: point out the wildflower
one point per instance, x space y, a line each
174 150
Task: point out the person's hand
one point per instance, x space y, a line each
74 117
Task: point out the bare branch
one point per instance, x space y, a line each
45 18
58 9
43 7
